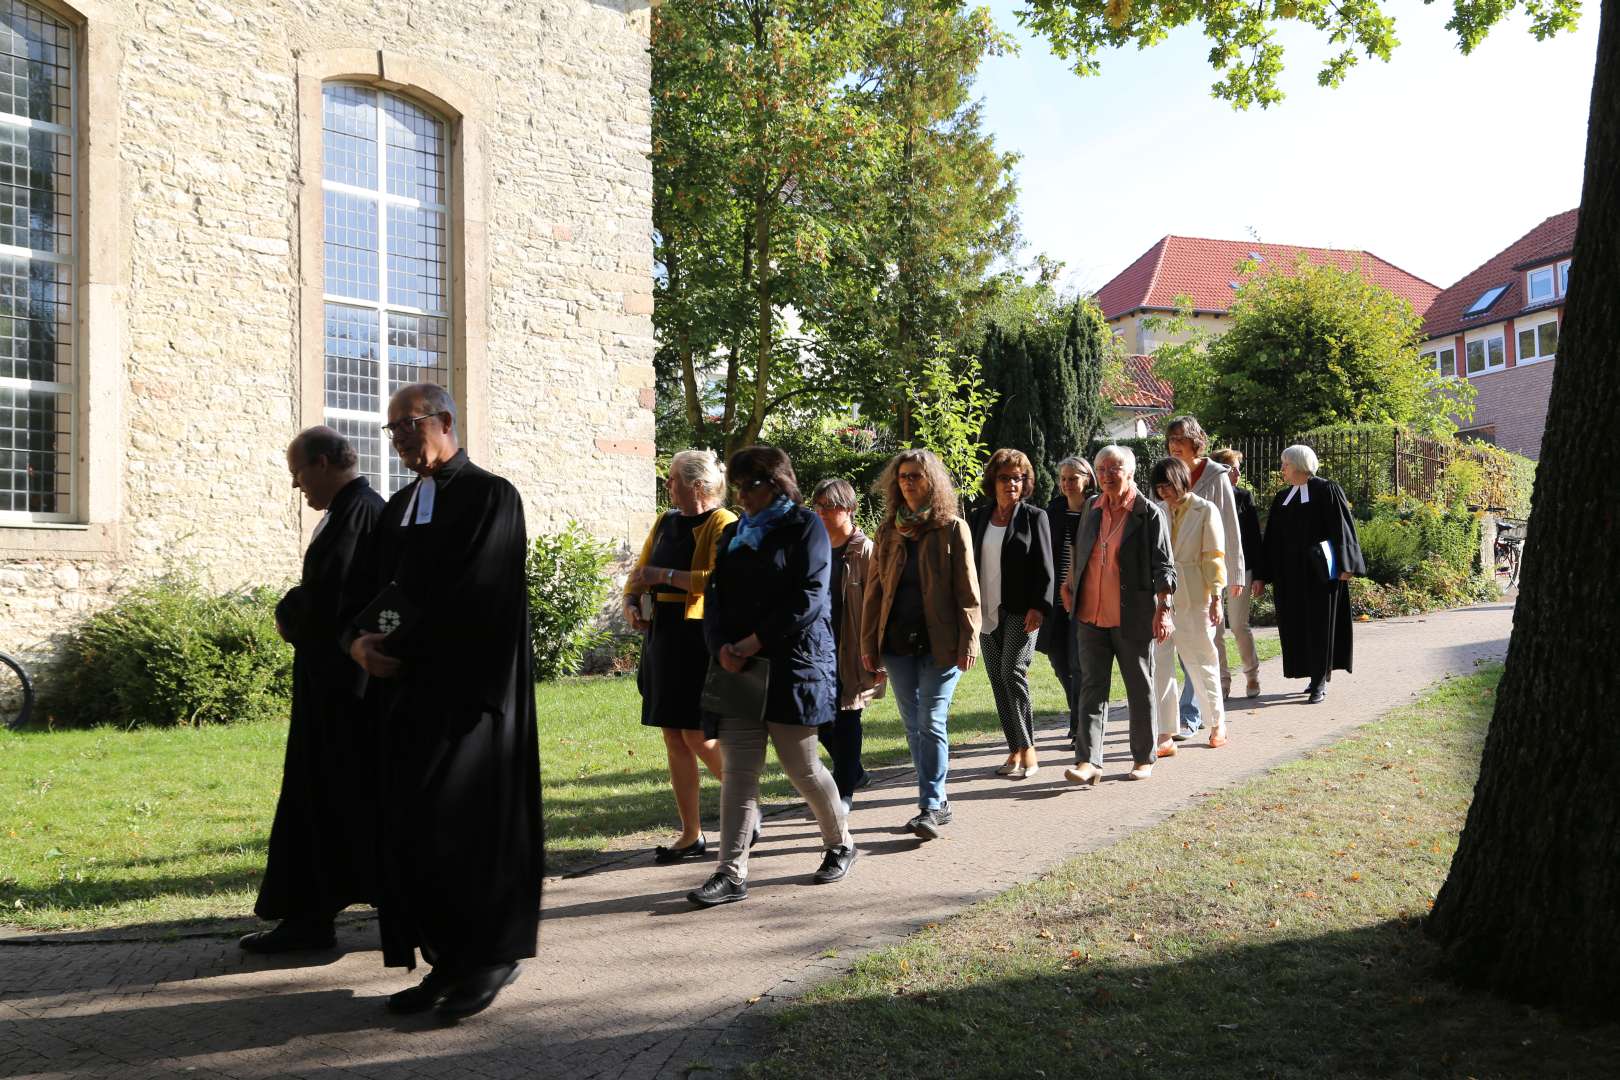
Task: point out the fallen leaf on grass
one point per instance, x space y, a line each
1045 934
1134 936
1356 876
755 999
1273 924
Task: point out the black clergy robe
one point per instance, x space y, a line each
323 842
1313 619
461 830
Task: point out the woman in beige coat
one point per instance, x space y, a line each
1198 548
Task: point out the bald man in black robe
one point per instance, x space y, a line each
322 855
448 644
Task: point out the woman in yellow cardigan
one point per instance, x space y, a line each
672 572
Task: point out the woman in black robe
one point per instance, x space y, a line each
1312 597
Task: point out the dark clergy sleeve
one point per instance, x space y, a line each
470 583
1270 540
311 611
803 597
1343 524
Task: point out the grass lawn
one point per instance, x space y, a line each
103 828
1272 931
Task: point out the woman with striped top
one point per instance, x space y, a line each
1076 485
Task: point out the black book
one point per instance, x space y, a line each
389 611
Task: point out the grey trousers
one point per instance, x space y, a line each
1007 651
1237 613
742 746
1098 649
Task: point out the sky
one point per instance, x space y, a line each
1434 161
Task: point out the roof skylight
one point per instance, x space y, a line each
1483 304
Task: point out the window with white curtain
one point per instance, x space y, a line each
384 181
38 266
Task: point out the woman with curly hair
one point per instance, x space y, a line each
921 621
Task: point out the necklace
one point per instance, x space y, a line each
1114 534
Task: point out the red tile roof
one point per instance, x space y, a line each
1550 240
1141 389
1205 269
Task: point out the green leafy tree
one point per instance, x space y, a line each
950 406
1527 910
1017 419
762 144
1309 347
1057 383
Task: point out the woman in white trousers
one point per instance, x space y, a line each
1196 545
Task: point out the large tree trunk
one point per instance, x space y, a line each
1531 909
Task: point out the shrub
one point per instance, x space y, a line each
568 583
1404 533
174 653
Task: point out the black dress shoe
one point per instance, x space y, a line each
718 890
421 997
290 936
864 782
475 991
836 863
695 850
1315 694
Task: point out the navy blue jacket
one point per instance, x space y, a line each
780 592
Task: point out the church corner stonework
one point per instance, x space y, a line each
195 234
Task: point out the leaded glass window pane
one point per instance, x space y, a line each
38 358
387 262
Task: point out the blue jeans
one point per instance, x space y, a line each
922 692
1192 717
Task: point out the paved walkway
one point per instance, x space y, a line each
630 982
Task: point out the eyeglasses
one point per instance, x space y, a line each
910 477
825 507
1016 479
394 430
1110 470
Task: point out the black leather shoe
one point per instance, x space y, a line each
421 997
695 850
836 863
475 991
290 936
718 890
1315 694
864 782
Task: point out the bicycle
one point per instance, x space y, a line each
1510 550
16 692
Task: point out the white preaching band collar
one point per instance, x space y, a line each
319 525
1302 490
421 503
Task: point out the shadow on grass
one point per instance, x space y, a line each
1368 1002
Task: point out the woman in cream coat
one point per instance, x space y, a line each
1196 544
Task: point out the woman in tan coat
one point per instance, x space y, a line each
921 621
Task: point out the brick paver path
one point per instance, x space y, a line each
630 981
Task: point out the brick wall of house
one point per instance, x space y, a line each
1514 403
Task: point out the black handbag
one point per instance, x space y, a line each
737 695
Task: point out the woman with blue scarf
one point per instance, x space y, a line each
768 598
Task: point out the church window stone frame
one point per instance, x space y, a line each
39 267
392 247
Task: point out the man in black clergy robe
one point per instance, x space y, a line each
322 854
461 833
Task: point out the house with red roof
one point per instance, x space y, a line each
1142 401
1498 329
1207 272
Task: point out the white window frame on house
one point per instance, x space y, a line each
1563 277
63 391
366 424
1484 341
1551 292
1535 330
1433 358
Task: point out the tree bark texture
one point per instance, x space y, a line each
1531 909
